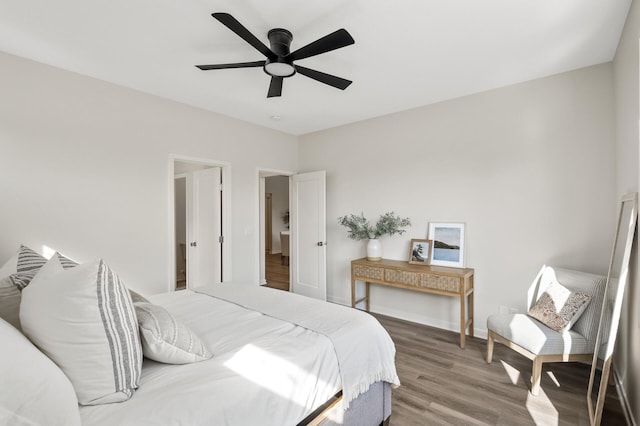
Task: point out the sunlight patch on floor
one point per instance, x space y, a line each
514 374
541 409
553 378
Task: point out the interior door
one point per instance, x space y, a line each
308 235
205 242
268 237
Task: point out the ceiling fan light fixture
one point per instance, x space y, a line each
279 69
279 58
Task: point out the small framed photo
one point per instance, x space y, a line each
448 244
420 252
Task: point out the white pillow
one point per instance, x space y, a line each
84 320
166 339
34 390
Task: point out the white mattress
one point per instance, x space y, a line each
264 371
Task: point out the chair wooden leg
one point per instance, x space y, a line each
490 342
536 374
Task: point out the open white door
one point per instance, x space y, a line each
205 231
308 235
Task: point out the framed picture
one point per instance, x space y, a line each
420 252
448 244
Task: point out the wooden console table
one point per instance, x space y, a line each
453 282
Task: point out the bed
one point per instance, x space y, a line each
278 359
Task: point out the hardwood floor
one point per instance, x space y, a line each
445 385
277 274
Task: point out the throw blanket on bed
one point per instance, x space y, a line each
364 350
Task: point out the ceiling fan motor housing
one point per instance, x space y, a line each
280 42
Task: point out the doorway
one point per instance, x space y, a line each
274 231
180 211
307 234
199 211
268 235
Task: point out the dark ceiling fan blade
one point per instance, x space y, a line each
275 87
333 41
331 80
236 65
235 26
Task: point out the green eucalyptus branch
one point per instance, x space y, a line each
359 228
388 224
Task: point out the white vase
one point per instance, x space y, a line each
374 249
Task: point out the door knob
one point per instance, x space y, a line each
193 244
320 244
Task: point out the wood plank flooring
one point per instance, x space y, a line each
445 385
277 274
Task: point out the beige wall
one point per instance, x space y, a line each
529 168
626 75
84 168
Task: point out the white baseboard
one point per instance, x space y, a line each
624 399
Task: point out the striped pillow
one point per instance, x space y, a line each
84 320
16 273
10 295
65 261
28 264
166 339
68 263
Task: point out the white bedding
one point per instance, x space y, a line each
365 352
264 371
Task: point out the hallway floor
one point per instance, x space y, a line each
277 274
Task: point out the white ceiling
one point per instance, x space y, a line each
407 53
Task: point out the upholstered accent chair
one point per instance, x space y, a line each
540 343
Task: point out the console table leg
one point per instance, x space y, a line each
471 326
367 295
463 320
353 293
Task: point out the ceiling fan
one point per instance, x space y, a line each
279 63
